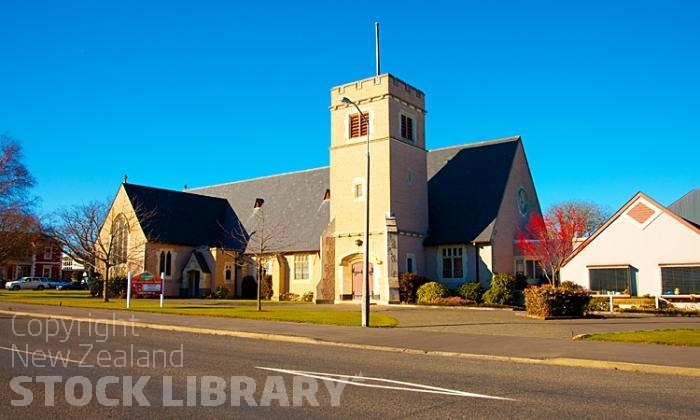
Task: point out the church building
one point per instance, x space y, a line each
451 214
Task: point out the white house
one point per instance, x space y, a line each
644 248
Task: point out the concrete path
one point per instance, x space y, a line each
452 332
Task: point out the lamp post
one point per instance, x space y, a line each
365 262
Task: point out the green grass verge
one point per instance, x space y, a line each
677 337
246 309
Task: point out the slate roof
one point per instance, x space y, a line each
465 188
293 204
688 206
176 217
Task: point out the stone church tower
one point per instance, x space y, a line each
398 190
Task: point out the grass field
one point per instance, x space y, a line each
273 311
677 337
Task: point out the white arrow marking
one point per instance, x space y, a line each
358 379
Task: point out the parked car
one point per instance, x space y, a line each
54 283
36 283
74 285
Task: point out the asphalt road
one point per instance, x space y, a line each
93 377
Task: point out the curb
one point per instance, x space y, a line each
557 361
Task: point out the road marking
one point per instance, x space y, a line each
358 380
48 356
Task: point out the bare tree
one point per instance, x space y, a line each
593 214
77 228
15 179
264 238
18 224
101 236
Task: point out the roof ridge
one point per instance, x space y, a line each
259 178
480 143
127 185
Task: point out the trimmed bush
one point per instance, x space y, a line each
431 291
450 301
567 300
471 291
408 286
501 291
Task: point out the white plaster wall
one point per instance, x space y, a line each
662 240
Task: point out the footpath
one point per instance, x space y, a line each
449 332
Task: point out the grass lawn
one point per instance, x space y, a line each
678 337
274 311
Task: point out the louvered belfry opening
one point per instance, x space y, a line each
358 125
406 127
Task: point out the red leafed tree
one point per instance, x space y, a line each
549 240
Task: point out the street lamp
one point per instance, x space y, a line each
365 263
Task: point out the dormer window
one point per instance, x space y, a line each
258 203
358 125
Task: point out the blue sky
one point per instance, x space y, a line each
606 94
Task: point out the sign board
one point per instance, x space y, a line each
146 284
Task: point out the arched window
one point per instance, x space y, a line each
166 262
120 239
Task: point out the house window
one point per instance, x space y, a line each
358 125
410 263
452 263
612 279
528 268
407 127
227 274
358 188
685 279
47 252
301 267
46 272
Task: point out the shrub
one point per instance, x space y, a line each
249 288
289 297
430 291
450 301
293 297
117 287
266 291
471 291
221 292
520 281
408 286
501 290
548 301
95 286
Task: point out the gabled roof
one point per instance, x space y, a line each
693 227
465 189
688 206
202 262
293 203
176 217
